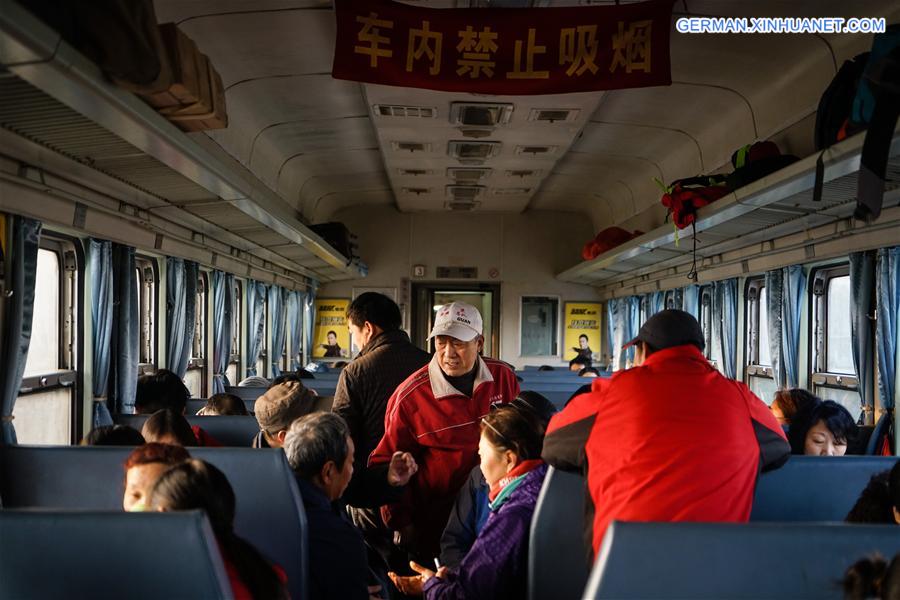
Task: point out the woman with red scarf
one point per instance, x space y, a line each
496 566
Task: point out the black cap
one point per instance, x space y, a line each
669 328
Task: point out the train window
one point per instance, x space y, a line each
540 326
670 300
145 281
234 362
47 404
262 361
195 378
834 376
759 362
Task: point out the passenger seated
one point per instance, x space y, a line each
165 390
254 381
472 508
873 578
496 566
168 427
578 363
320 451
195 484
589 372
113 435
822 429
143 467
546 368
223 404
292 376
275 410
787 403
874 504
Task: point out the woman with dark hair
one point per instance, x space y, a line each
223 404
195 484
874 503
496 566
168 427
113 435
822 429
143 467
873 578
789 402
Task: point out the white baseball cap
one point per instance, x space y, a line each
458 320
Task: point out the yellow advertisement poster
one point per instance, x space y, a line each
582 337
331 339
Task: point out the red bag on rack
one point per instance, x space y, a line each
606 240
685 196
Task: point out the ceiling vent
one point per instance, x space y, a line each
465 192
415 172
516 191
554 115
418 191
480 114
470 175
536 150
411 146
458 205
473 153
523 173
414 112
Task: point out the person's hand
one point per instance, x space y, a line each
375 592
412 585
402 467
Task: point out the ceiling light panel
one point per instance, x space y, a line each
480 114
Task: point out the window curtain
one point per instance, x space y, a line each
309 318
888 325
256 323
725 325
691 300
295 327
620 326
22 249
612 313
276 312
223 305
634 325
862 280
181 313
657 303
678 299
125 346
101 269
785 293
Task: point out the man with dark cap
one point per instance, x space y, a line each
670 439
275 410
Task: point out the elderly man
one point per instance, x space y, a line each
275 410
435 415
670 439
320 451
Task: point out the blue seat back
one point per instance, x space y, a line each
94 555
246 392
558 561
727 560
269 515
814 488
228 430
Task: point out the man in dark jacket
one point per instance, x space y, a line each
385 360
320 451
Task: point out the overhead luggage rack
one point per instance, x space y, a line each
204 182
740 232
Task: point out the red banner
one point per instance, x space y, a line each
504 50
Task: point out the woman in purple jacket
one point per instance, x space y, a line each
497 565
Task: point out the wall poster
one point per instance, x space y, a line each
582 330
331 338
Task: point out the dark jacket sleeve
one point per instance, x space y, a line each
462 526
568 433
774 449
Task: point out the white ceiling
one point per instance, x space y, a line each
316 142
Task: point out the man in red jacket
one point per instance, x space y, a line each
435 415
668 440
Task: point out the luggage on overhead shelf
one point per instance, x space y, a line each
755 161
684 196
833 112
338 237
606 240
